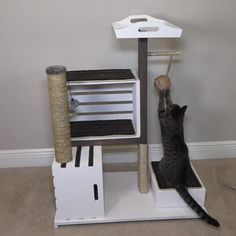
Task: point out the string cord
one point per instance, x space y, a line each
169 65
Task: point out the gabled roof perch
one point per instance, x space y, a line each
145 26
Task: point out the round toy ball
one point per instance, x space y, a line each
162 82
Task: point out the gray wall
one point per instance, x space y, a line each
78 34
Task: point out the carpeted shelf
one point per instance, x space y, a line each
111 74
191 182
101 128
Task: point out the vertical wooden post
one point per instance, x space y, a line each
142 73
143 148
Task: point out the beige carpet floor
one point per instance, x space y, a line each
27 206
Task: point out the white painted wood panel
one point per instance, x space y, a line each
100 88
136 108
104 97
128 116
104 108
74 187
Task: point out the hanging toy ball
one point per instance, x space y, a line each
162 82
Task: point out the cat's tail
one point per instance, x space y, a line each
183 192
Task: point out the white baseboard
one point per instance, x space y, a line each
202 150
44 157
26 158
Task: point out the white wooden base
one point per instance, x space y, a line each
123 203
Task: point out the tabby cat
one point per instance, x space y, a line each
175 164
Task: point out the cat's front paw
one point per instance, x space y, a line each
162 93
167 92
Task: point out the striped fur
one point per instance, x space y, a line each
175 165
183 192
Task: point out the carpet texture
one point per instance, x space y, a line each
27 206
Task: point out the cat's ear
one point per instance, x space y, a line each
183 110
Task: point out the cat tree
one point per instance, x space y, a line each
116 102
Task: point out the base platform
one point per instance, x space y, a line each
123 203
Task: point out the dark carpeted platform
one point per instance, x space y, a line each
192 179
101 128
112 74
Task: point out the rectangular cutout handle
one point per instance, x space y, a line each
136 20
90 162
78 156
148 29
63 165
95 190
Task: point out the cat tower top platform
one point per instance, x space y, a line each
145 26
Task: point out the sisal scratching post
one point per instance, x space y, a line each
143 176
59 113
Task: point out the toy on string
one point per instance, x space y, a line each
163 82
73 103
